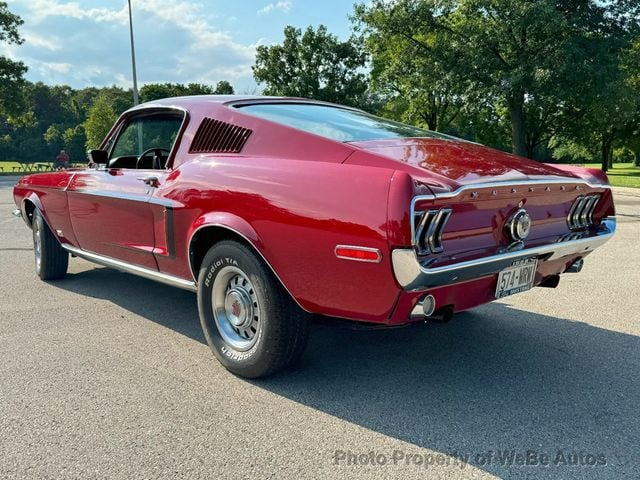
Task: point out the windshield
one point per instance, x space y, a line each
336 123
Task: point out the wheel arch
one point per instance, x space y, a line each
29 204
204 236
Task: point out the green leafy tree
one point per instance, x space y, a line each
156 91
313 64
526 57
100 119
75 141
223 88
11 71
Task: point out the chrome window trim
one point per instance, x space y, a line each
133 269
141 111
413 276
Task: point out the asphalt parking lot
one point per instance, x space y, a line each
106 375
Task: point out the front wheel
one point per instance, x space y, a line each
51 259
250 322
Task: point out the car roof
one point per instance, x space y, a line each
189 102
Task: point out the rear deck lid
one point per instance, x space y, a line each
455 163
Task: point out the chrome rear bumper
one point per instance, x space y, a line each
412 275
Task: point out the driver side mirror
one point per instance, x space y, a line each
98 157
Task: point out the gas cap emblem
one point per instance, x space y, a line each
519 225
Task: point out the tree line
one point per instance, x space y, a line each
548 79
53 118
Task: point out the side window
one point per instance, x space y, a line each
153 135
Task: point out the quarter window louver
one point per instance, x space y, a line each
581 213
215 136
429 226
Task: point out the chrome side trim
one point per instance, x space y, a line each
412 275
134 197
244 237
133 269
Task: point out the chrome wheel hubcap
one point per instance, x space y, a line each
235 308
37 247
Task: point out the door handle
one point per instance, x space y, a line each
151 180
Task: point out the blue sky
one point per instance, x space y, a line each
86 42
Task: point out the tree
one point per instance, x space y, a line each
11 72
313 64
156 91
223 88
99 121
526 56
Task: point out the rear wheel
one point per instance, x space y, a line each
51 259
250 322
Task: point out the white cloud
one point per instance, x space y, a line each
42 9
176 41
282 5
48 68
50 42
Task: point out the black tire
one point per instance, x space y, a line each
251 293
51 259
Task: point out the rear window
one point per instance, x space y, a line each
336 123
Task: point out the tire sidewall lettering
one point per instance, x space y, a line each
219 263
228 352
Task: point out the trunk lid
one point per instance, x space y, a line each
450 164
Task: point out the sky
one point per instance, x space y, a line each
86 42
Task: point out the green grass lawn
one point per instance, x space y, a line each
622 174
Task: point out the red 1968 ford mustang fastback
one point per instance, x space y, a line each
274 209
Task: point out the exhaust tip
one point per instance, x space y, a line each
576 266
428 305
424 308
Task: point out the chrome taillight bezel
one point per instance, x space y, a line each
581 211
428 228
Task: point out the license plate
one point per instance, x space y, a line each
516 278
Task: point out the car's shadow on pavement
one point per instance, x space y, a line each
171 307
494 379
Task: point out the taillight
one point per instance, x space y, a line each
581 213
428 227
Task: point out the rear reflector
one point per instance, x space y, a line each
359 254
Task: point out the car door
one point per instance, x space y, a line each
109 208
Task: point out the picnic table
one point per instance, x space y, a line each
33 167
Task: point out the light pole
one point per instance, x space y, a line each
133 58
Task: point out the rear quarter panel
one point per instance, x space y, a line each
296 212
